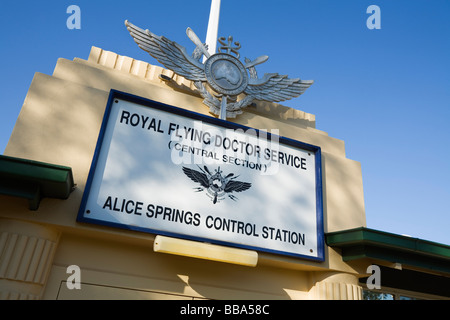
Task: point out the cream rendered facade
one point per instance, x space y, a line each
59 124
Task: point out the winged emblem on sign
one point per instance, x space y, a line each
215 184
226 84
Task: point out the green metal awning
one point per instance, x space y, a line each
34 180
362 243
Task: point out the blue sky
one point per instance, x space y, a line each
385 92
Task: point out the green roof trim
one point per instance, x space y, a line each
362 243
34 180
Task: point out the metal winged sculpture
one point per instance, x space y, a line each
229 86
216 185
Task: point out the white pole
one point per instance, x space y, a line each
213 27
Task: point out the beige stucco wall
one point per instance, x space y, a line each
59 123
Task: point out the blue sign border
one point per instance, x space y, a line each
115 94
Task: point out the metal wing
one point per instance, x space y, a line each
197 176
275 88
237 186
169 53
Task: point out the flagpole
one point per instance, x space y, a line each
213 27
211 42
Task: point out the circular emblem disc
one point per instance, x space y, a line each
217 182
226 74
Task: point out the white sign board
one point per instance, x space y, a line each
165 170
